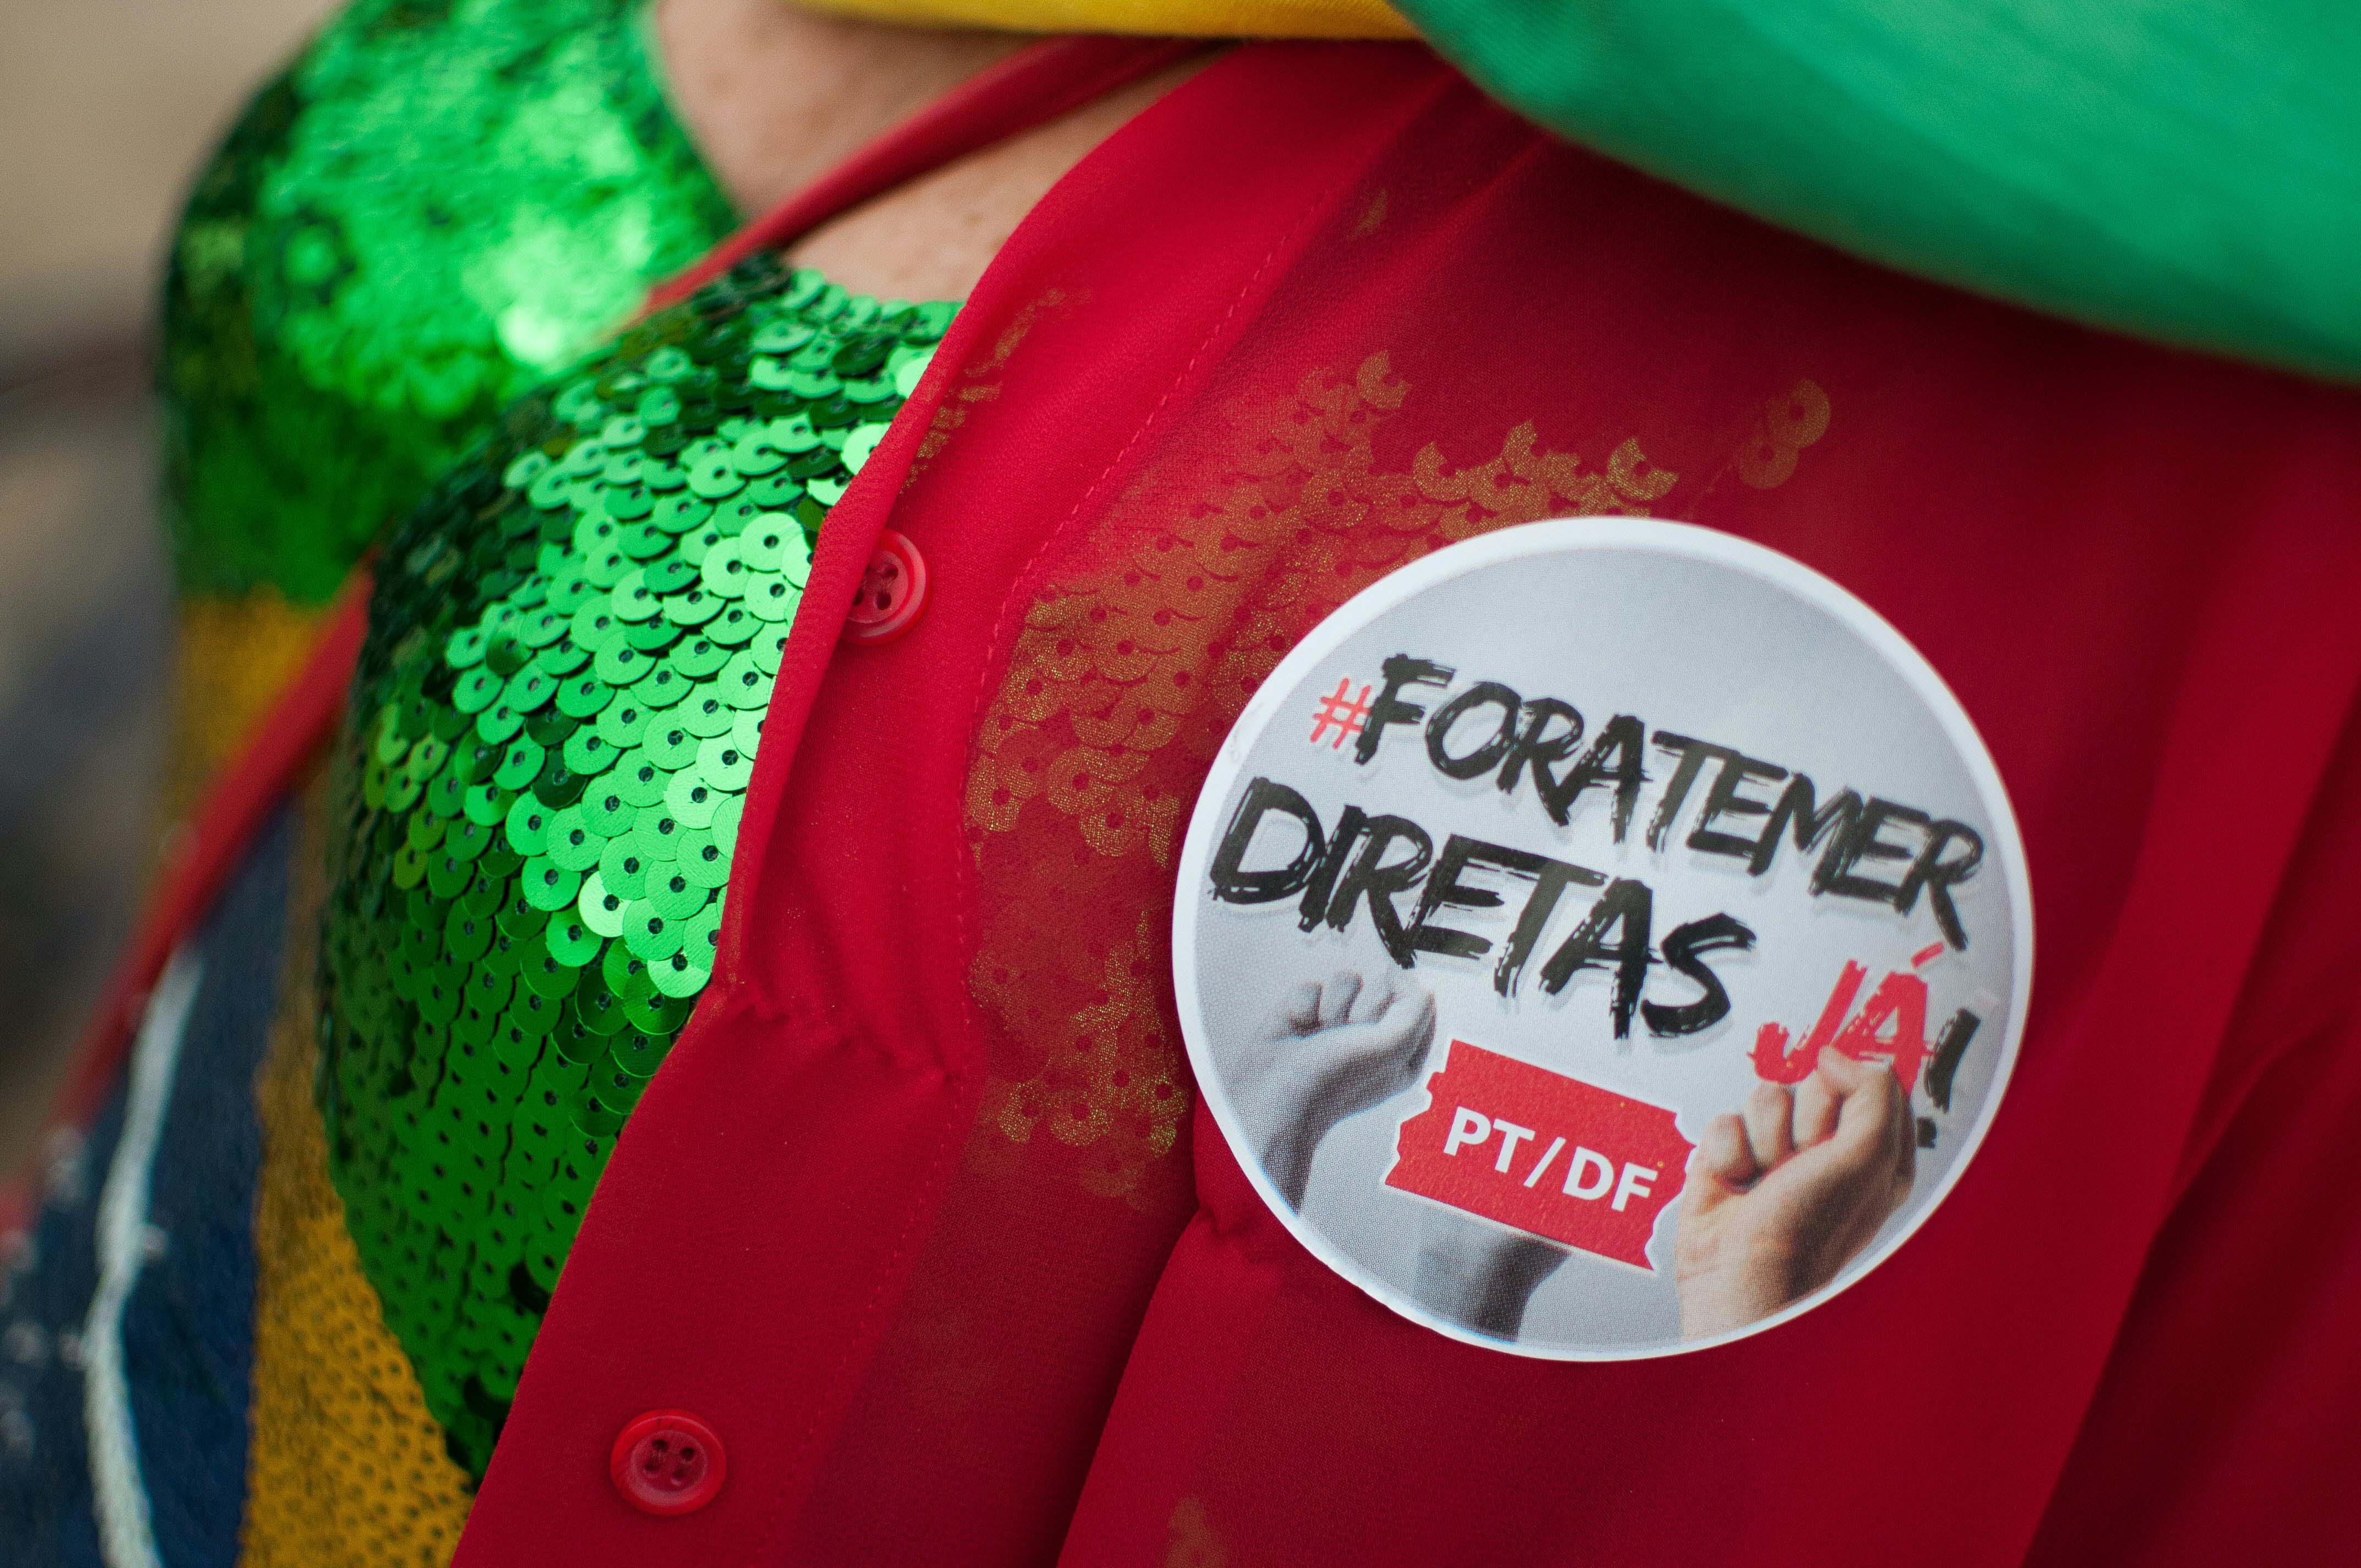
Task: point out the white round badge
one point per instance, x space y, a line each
1603 938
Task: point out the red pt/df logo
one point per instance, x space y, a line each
1542 1152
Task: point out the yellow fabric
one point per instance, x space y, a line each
346 1469
1177 18
235 655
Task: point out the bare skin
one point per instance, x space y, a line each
774 96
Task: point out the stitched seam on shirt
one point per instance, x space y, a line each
921 1203
947 1143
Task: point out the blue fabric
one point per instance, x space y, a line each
45 1500
188 1326
188 1330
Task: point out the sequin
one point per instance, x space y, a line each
440 203
530 872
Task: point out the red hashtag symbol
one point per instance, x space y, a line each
1342 712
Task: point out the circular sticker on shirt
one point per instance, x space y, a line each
1603 938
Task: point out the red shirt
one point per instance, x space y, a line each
920 1216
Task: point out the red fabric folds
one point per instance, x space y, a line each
917 1216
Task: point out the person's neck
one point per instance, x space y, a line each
774 96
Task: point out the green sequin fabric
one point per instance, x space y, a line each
442 203
556 712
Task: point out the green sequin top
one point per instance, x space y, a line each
556 712
441 204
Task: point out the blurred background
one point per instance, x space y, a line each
107 108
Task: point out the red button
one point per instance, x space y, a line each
892 590
667 1461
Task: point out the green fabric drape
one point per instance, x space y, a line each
2182 170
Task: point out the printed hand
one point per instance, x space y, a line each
1778 1201
1479 1275
1332 1051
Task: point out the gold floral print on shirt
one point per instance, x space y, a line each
1789 423
1128 671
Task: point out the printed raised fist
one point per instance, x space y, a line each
1331 1050
1780 1198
